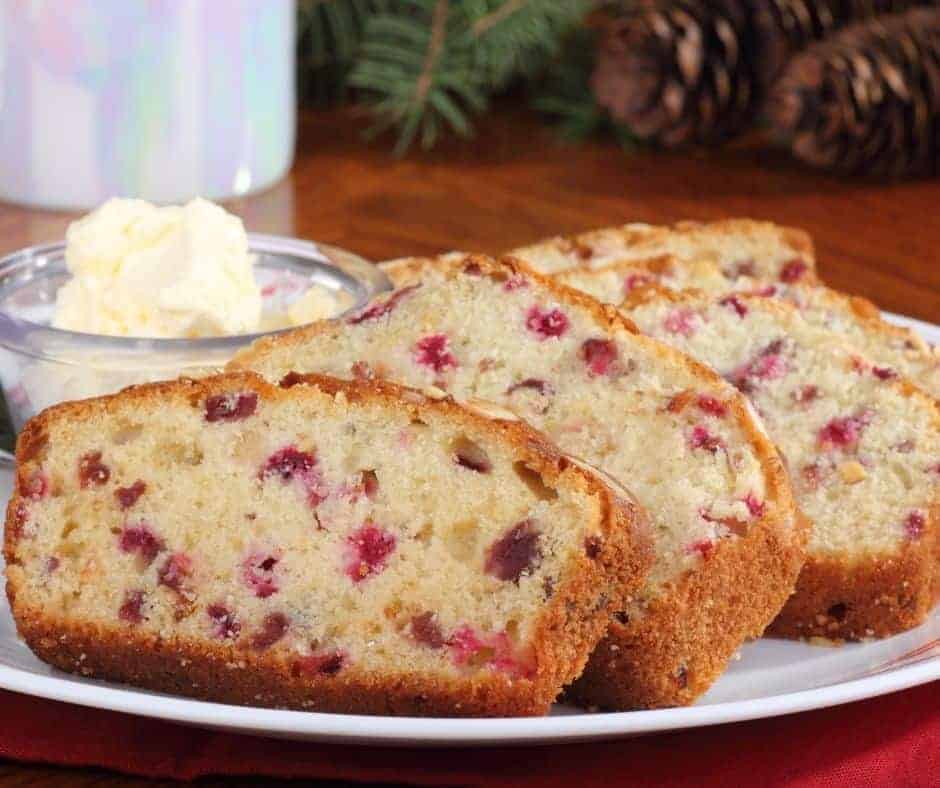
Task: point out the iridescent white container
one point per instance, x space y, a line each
160 99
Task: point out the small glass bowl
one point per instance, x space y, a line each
41 365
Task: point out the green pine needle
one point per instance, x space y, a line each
426 66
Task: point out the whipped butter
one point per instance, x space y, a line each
184 272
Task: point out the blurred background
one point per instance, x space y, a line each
397 127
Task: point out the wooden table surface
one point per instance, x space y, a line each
515 184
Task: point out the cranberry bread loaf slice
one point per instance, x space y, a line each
329 546
741 247
862 446
728 545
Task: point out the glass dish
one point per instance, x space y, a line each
41 365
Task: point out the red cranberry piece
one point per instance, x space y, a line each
754 506
37 486
321 664
140 539
636 281
514 552
704 547
701 438
273 628
431 351
515 282
127 496
231 407
52 563
793 271
377 310
883 373
176 571
766 292
224 623
599 355
426 631
91 471
805 394
914 525
680 321
843 432
258 572
735 303
290 463
768 365
287 463
369 548
503 658
546 323
712 406
131 607
464 644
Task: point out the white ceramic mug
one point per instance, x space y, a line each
159 99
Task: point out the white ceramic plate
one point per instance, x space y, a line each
771 677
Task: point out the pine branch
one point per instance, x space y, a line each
427 65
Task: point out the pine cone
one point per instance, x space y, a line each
682 71
867 100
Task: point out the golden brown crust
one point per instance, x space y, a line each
884 594
573 621
875 596
659 660
713 635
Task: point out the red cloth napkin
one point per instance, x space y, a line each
889 741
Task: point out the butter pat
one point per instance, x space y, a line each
167 272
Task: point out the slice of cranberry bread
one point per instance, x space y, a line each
862 445
728 547
323 545
741 247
